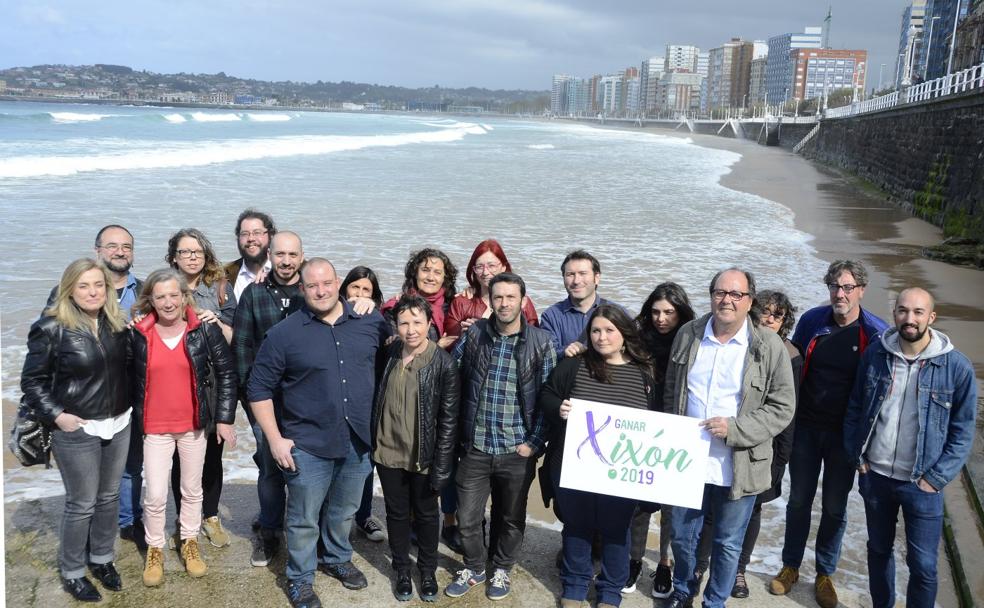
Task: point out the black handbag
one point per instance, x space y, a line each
30 439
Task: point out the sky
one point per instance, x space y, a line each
498 44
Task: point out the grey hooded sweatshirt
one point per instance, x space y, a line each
891 449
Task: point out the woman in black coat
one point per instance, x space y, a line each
74 379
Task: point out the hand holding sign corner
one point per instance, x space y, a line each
633 453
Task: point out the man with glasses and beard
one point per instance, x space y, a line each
261 306
254 229
832 339
908 430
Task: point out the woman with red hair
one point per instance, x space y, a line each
486 261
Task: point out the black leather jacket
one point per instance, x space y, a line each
201 348
438 393
74 371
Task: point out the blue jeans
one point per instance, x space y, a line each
811 448
923 515
730 521
329 489
90 468
589 514
131 481
365 507
269 483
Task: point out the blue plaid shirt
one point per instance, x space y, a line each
499 426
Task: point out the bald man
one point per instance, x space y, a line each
908 429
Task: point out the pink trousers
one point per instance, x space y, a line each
158 453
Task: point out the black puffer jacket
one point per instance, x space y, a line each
73 371
438 395
202 349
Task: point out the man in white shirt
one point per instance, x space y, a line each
254 229
739 382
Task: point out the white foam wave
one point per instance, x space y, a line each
204 117
454 125
487 127
207 153
70 117
175 118
540 146
268 117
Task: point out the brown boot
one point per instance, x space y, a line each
823 590
153 574
784 581
192 557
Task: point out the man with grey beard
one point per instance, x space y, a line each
908 430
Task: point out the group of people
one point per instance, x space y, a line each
453 397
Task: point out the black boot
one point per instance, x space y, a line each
81 589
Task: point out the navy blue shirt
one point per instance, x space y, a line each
327 375
567 324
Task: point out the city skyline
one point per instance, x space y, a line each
507 44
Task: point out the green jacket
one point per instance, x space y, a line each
768 401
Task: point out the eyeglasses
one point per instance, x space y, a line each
719 294
491 267
124 247
186 254
834 287
774 314
245 234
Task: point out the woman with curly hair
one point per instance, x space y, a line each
430 274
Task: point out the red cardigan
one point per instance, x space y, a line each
473 308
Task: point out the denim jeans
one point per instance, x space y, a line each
327 490
90 468
269 483
811 448
131 482
730 521
409 493
923 515
588 515
365 507
507 477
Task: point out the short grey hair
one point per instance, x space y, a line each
748 277
854 267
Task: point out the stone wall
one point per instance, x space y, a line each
928 157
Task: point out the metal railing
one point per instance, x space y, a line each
957 82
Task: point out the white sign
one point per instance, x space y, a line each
634 453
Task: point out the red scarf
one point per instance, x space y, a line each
436 301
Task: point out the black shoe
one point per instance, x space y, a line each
677 602
635 570
135 534
107 575
350 576
81 589
662 581
452 538
265 548
740 590
404 586
428 587
302 595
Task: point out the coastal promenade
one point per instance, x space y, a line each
32 580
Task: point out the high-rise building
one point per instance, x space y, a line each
942 17
595 92
779 66
679 92
649 74
970 39
681 57
610 91
632 96
756 81
728 73
702 61
820 72
578 97
910 42
558 94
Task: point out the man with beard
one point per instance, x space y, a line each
737 379
909 428
311 391
114 248
254 229
833 338
261 306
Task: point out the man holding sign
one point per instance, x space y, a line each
738 381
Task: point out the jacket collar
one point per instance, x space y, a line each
146 324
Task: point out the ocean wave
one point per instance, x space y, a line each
268 117
214 152
71 117
540 146
175 118
205 117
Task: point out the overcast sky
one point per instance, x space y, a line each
414 43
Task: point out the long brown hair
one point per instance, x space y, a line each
634 351
66 311
212 270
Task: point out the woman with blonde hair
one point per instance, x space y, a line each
74 379
175 357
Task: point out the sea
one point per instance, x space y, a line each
370 188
